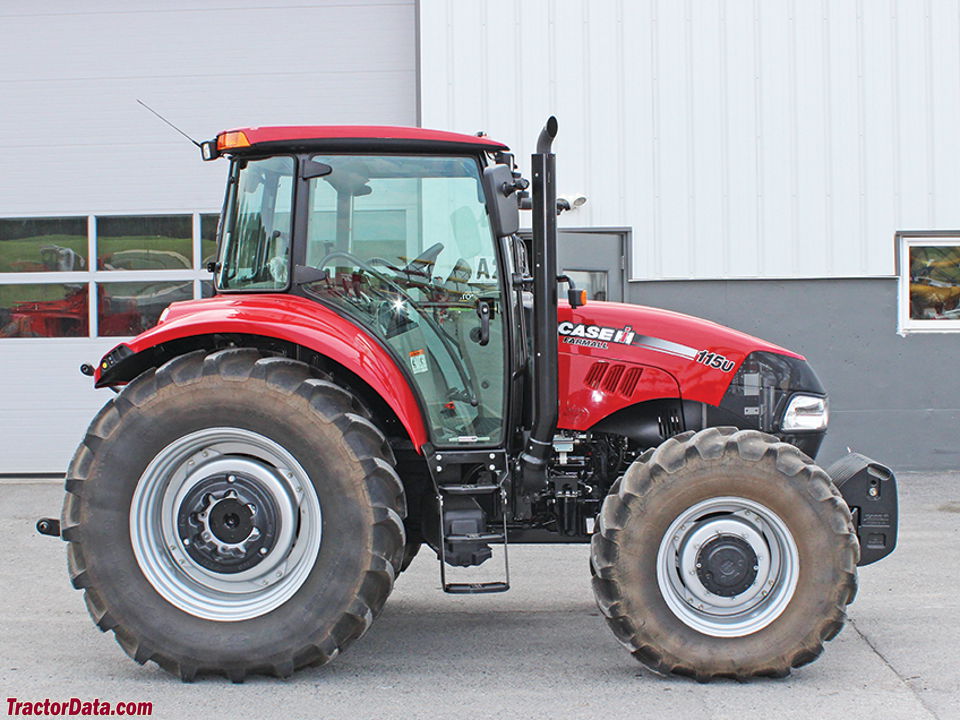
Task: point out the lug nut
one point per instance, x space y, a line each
231 478
263 551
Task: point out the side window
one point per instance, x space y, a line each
256 247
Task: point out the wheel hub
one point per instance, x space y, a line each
727 565
227 522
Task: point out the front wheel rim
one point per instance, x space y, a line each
727 566
225 524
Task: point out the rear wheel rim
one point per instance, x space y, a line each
727 566
225 524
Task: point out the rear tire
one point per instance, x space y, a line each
287 492
724 553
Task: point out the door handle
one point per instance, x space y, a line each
483 312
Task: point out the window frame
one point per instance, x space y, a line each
904 241
93 276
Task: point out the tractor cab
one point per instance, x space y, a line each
401 242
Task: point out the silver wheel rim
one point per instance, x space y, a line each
277 572
750 525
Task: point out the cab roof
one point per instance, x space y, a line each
356 137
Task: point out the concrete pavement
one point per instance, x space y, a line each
541 650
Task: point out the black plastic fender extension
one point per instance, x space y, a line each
870 491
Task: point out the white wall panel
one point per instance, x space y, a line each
738 138
75 140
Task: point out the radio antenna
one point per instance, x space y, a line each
168 122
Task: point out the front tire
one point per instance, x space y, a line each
232 514
724 553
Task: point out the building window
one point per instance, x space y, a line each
928 266
158 242
43 244
129 308
51 286
44 310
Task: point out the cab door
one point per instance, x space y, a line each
408 252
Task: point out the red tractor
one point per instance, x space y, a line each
385 364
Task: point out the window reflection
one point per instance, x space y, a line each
935 282
44 310
43 244
593 281
129 308
145 242
208 239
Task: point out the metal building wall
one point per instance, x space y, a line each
738 138
76 143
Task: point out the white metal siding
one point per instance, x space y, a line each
738 138
76 143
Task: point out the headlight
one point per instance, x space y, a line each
806 412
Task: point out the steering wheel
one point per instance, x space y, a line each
434 325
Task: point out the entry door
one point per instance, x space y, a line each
594 261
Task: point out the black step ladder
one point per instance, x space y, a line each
462 588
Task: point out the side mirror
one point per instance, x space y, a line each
208 150
575 296
501 188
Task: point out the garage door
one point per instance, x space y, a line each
106 214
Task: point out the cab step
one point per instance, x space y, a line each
476 588
469 489
465 538
475 537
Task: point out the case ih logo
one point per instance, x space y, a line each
595 335
598 336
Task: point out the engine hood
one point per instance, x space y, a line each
700 355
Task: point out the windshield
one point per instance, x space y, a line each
255 252
407 248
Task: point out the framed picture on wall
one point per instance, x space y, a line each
928 267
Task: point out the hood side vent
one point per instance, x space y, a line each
612 378
630 379
595 374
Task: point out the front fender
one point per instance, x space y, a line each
282 317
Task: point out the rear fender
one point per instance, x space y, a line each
285 318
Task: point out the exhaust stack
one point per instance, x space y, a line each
545 410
